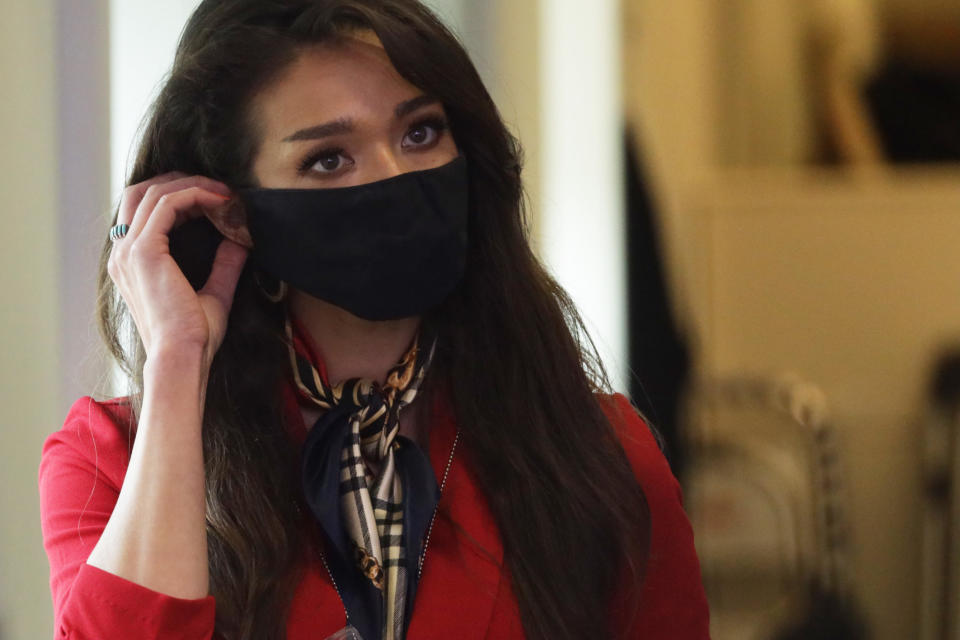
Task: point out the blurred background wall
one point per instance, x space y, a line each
800 238
29 331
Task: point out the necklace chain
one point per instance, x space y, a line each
426 541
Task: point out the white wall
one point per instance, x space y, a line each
29 376
582 215
143 38
83 141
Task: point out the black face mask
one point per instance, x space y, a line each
384 250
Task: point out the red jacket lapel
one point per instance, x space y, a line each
462 566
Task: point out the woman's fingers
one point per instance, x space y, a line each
164 305
133 194
227 266
136 257
154 192
173 209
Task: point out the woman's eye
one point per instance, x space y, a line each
424 134
324 162
328 161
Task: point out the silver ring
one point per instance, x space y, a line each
118 231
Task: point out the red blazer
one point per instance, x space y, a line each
465 591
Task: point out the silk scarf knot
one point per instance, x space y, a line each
371 491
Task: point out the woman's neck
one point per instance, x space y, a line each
352 347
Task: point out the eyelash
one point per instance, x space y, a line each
438 123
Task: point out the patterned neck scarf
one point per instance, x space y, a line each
371 495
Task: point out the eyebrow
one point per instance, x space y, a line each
346 125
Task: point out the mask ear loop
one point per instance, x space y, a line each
276 294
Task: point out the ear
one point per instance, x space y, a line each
230 219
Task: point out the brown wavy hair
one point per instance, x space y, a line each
513 356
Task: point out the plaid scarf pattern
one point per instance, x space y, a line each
371 492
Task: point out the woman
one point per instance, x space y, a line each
325 224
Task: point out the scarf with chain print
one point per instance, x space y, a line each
371 492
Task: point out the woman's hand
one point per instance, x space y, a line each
156 535
168 313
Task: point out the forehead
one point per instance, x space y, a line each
352 77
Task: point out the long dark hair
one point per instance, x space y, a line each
514 358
